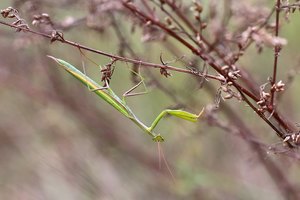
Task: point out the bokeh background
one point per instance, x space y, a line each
60 141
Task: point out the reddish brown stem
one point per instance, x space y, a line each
120 58
276 54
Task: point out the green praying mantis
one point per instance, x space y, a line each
108 95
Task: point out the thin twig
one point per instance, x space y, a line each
276 54
120 58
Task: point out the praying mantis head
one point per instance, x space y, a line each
158 138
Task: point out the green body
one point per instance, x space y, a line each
110 97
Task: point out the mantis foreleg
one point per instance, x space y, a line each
177 113
129 93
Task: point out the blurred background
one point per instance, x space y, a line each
60 141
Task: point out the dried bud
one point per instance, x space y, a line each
203 25
197 7
295 138
265 95
198 37
278 87
11 16
225 67
164 72
224 88
234 74
45 15
228 96
223 79
261 102
162 1
35 22
4 13
7 12
148 23
234 67
36 17
280 84
261 110
287 138
168 21
197 16
277 41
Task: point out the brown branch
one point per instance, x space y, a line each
276 54
193 49
119 58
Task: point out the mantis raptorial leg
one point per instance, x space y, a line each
111 98
129 93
